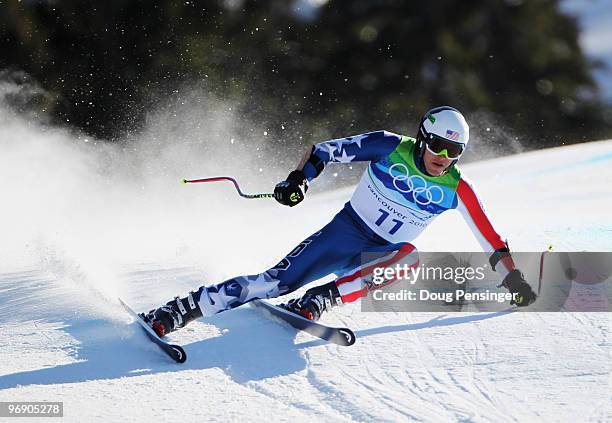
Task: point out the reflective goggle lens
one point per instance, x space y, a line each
440 146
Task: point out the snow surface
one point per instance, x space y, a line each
74 239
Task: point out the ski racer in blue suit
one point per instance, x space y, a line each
408 183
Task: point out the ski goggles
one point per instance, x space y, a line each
443 147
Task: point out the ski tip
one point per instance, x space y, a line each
183 181
348 335
179 354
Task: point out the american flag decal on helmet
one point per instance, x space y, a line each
452 135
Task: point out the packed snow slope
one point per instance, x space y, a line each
73 242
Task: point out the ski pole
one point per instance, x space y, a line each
232 180
548 250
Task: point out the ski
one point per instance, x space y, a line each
339 336
176 352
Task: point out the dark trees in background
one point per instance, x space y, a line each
348 66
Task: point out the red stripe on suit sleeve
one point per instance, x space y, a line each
470 200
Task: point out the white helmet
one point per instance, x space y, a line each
444 131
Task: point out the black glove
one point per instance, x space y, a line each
291 191
515 283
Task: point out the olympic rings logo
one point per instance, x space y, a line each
416 185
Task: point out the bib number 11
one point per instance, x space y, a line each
383 217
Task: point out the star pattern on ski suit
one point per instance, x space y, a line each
344 158
331 148
259 286
357 139
336 150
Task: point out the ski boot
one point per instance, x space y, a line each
173 315
315 301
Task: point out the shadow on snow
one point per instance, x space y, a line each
246 351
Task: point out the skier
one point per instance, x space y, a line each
406 185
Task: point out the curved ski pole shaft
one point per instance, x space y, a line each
232 180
